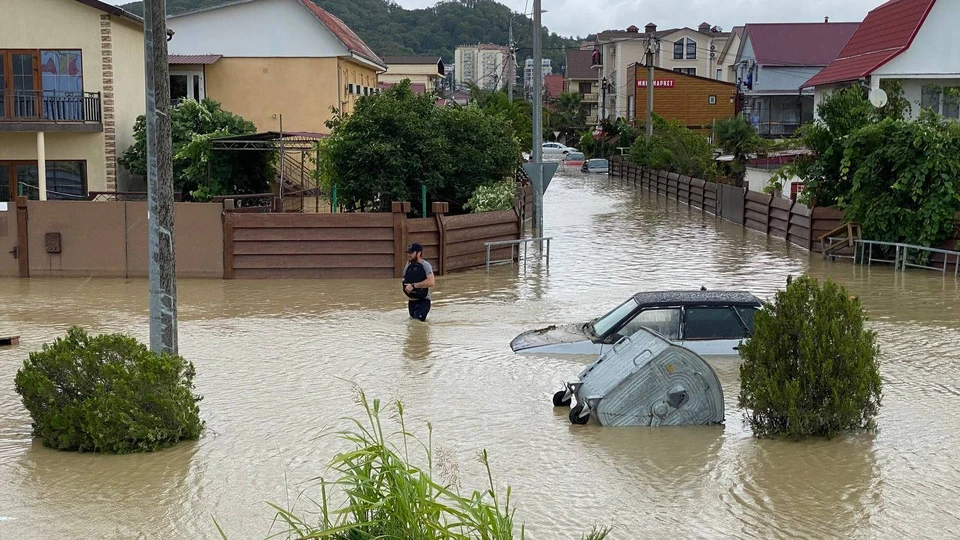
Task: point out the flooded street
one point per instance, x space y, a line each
276 361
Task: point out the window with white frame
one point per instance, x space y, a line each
944 101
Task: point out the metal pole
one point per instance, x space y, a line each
423 199
282 156
537 121
651 33
511 80
163 272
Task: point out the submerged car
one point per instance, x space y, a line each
573 159
709 323
596 166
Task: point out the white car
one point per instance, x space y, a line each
556 150
710 323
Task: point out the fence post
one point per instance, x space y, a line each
228 222
23 238
400 235
439 209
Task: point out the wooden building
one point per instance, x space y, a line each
697 102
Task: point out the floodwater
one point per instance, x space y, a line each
277 361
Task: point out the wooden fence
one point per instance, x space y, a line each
356 245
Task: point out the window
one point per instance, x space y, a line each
678 50
664 321
606 323
586 87
942 100
747 314
186 85
712 323
691 49
66 180
719 74
686 71
42 85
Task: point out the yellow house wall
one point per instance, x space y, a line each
417 73
129 84
60 146
261 89
357 74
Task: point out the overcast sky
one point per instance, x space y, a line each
583 17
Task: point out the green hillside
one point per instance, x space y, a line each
391 30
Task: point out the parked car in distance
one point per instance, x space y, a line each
710 323
596 166
573 159
556 150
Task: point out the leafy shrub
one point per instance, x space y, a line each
739 139
811 368
108 393
675 148
498 196
388 496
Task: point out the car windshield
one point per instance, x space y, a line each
597 163
604 324
573 156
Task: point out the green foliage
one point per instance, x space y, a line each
391 30
569 114
904 179
517 115
397 141
737 137
497 196
811 368
674 147
389 496
612 135
198 172
108 393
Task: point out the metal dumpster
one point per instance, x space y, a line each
646 381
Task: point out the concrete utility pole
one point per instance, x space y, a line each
651 48
163 273
537 122
510 69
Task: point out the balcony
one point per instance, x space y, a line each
589 98
50 111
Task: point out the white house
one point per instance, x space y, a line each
913 41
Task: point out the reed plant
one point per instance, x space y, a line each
386 496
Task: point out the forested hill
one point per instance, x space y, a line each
391 30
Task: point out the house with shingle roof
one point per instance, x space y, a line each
425 73
581 79
772 66
265 58
910 41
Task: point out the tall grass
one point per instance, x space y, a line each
387 497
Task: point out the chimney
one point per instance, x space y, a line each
704 27
633 29
826 19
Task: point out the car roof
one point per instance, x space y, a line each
696 297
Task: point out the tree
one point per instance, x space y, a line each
200 173
396 142
108 393
569 114
811 367
674 147
737 137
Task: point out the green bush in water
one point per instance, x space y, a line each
811 368
108 393
388 497
492 197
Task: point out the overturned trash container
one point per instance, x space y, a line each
647 381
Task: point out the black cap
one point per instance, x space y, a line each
415 248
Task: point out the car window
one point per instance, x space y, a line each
664 321
606 323
574 156
747 313
712 323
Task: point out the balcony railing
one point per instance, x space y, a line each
50 106
777 129
589 98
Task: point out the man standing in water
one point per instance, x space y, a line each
417 281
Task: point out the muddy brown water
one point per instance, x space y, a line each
276 362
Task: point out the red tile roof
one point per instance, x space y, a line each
553 85
886 33
348 37
192 59
798 44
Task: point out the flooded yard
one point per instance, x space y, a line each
277 360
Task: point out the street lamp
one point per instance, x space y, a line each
513 60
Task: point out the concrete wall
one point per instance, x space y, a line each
110 239
60 146
260 89
264 28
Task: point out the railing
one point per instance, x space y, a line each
777 129
901 258
517 243
50 106
252 203
124 196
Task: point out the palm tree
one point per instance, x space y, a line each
569 114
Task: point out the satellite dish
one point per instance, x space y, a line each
878 98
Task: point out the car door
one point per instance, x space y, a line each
665 321
551 149
713 330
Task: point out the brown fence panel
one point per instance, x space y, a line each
711 201
662 182
313 245
696 192
683 189
427 233
779 218
731 203
756 211
9 265
673 185
798 232
467 234
822 221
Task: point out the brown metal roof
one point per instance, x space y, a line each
192 59
580 65
775 44
414 60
